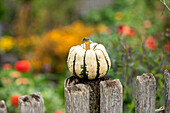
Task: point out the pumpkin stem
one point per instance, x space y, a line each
87 43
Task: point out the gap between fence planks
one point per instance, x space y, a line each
2 107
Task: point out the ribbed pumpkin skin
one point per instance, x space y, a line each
88 64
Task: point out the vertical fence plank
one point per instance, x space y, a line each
111 100
32 103
77 99
167 90
3 107
145 94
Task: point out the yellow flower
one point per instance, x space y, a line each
118 15
6 43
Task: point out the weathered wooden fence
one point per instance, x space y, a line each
32 103
100 96
80 96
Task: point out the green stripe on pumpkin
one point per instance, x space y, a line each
85 75
74 61
98 67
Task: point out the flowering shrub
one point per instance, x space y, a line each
134 56
54 44
14 100
23 66
14 83
50 53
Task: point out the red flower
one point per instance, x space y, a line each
126 31
23 66
14 100
167 47
151 43
58 112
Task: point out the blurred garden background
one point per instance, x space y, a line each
36 35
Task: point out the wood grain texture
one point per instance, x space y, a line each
167 90
111 99
32 103
77 99
83 96
145 94
3 107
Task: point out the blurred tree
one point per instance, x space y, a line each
26 17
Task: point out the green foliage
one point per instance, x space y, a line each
131 58
134 13
2 9
50 91
39 15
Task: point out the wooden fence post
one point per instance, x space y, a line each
76 97
111 99
167 90
32 103
145 94
3 107
96 96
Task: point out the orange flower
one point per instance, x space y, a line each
126 31
58 112
167 47
14 100
24 81
23 66
151 43
15 74
6 66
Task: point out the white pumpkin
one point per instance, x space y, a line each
88 61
